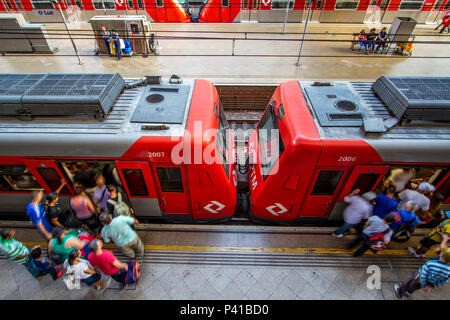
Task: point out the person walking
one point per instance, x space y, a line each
374 226
105 36
433 238
115 39
418 196
16 252
38 216
82 270
385 202
120 232
106 262
358 210
101 194
433 274
84 209
62 244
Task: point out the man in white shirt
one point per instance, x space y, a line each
418 196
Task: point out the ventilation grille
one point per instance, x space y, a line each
415 98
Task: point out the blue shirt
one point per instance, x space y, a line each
434 273
43 264
384 205
38 215
119 231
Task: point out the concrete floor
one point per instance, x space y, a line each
232 69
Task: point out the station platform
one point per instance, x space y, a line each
242 56
235 262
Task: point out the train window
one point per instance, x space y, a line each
222 139
18 4
444 190
79 4
365 182
159 3
9 4
255 4
225 3
282 4
140 4
384 4
42 4
327 182
245 4
52 179
170 179
346 4
17 178
411 4
136 182
447 5
130 4
319 5
104 4
438 4
271 146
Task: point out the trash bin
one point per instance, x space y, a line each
401 29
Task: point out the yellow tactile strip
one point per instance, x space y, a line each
249 249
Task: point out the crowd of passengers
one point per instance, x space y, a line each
97 213
395 215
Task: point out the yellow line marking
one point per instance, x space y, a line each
249 249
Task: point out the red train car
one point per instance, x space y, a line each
315 143
166 145
228 11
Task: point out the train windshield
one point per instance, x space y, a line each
222 139
271 145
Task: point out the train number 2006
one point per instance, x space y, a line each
347 159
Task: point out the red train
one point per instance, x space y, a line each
152 144
227 11
329 138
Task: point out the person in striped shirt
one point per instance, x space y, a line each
16 251
432 274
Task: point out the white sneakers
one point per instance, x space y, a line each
410 249
337 235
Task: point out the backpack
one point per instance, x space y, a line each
133 273
120 207
376 242
403 233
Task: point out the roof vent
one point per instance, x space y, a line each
415 98
155 98
345 105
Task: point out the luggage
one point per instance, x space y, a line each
133 273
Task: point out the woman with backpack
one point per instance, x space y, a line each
376 234
84 209
116 204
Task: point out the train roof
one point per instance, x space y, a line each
152 110
353 110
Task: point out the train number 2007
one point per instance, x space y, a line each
156 154
347 159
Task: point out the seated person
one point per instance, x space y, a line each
362 41
381 39
371 39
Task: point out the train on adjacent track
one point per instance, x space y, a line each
171 149
231 11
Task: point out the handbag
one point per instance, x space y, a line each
71 282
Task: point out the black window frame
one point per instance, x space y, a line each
25 172
131 186
162 184
332 187
269 117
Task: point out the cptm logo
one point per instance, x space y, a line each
276 209
218 206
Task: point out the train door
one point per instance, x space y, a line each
323 191
316 10
138 183
434 15
49 176
171 183
364 178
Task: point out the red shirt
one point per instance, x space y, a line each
104 262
